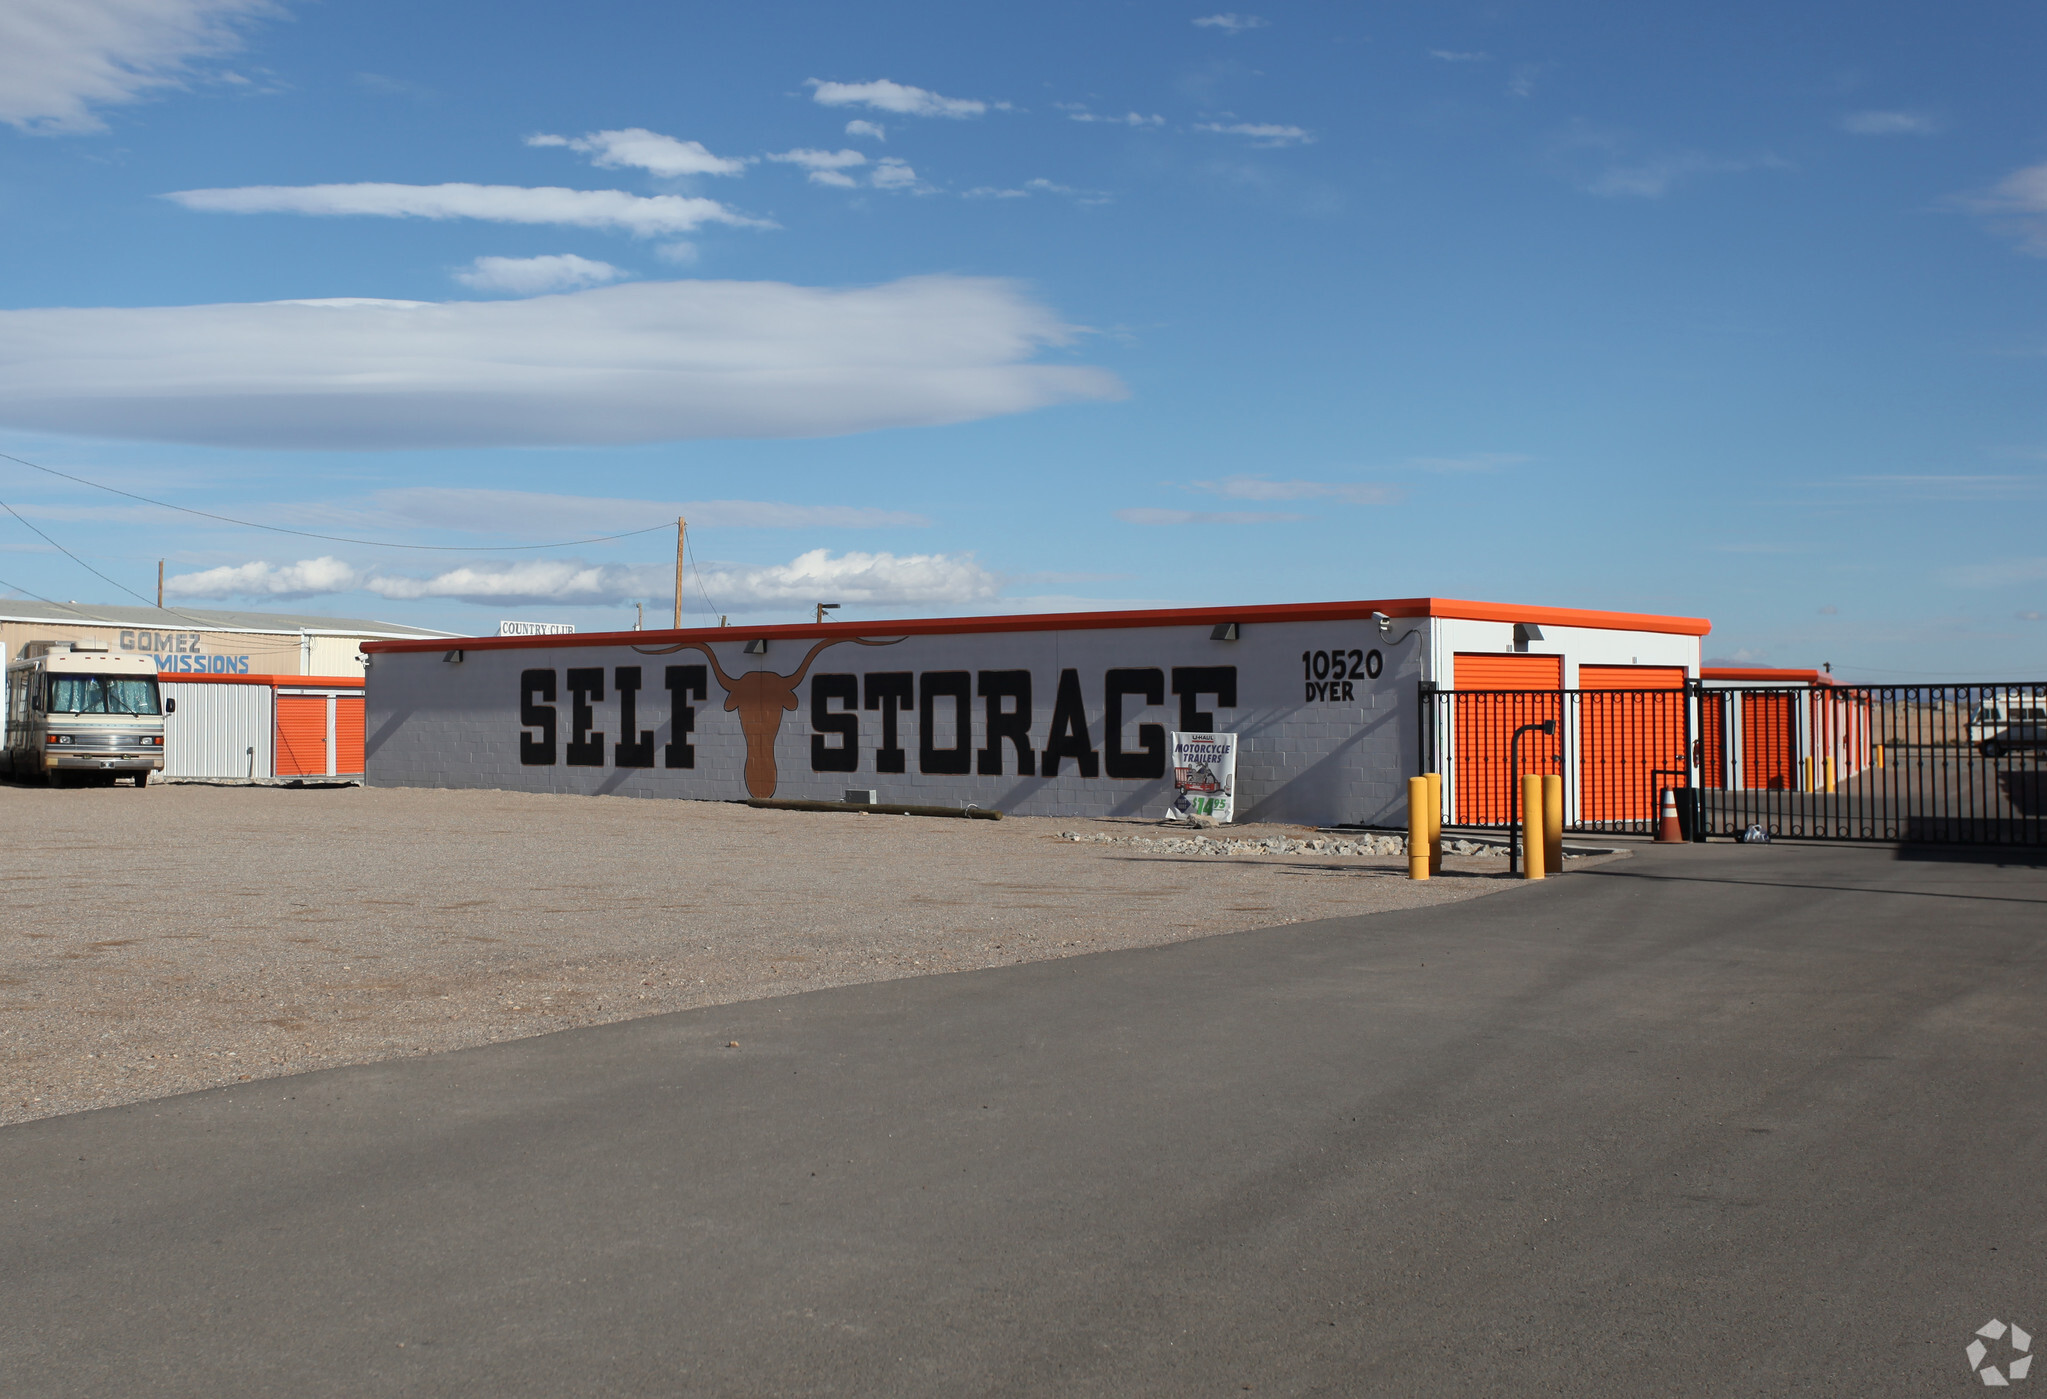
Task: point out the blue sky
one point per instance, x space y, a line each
959 309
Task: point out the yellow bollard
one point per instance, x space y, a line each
1879 757
1435 780
1531 825
1417 828
1830 772
1553 824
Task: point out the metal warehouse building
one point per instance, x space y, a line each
191 641
1336 705
257 694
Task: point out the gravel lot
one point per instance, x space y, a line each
182 937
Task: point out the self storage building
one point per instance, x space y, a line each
1782 730
1063 714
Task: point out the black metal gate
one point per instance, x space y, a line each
1945 764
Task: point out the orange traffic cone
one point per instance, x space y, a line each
1667 830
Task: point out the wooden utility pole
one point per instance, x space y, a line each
681 529
159 585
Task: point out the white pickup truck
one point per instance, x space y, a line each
2003 726
77 712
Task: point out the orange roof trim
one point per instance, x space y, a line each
1404 608
316 682
1765 673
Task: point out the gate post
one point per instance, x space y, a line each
1425 711
1695 742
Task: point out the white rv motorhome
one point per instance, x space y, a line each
79 712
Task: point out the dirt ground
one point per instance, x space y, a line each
181 937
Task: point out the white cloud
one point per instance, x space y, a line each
306 578
1260 133
1889 124
554 516
531 581
640 215
1453 56
1346 492
891 173
855 578
885 96
525 581
1038 186
2022 191
1076 112
1655 177
641 362
60 59
637 147
1205 517
824 167
858 127
1603 162
529 276
1085 196
1230 23
2023 194
859 579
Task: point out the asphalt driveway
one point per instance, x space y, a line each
1712 1120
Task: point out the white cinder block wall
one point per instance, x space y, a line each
1327 709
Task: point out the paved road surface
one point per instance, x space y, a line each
1715 1120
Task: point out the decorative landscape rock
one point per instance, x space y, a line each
1365 844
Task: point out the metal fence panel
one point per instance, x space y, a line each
1939 764
1614 749
1948 764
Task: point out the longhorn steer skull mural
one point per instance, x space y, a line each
761 697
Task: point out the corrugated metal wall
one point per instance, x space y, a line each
217 730
336 655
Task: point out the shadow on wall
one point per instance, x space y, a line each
373 742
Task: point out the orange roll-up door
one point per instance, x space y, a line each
302 735
1484 725
1713 740
348 733
1631 744
1768 733
1487 671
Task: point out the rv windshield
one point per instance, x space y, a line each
103 694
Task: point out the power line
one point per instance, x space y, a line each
709 606
93 571
12 588
331 538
